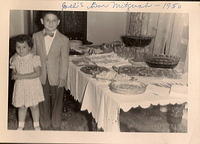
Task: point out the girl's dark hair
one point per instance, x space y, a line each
24 38
44 13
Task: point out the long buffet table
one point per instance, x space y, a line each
96 97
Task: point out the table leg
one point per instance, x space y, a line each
174 116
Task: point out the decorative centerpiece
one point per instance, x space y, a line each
136 46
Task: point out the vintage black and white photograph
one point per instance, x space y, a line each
98 71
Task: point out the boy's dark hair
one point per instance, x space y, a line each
44 13
24 38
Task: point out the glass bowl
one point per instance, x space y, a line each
137 41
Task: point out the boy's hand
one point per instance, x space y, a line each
62 83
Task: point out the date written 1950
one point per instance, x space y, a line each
171 6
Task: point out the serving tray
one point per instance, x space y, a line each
127 87
93 69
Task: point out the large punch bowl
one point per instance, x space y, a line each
137 41
162 61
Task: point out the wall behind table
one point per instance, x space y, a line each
105 26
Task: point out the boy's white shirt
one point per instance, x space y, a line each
48 41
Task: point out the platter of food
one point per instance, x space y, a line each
93 69
107 59
147 72
127 87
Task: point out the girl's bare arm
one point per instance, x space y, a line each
35 74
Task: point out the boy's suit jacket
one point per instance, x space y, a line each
55 63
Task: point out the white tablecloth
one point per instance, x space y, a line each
105 105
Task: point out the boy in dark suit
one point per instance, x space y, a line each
53 49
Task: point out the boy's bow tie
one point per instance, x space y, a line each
48 34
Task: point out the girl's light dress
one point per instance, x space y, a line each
27 92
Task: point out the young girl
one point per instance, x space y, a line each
28 90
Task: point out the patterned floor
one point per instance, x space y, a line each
133 121
71 121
